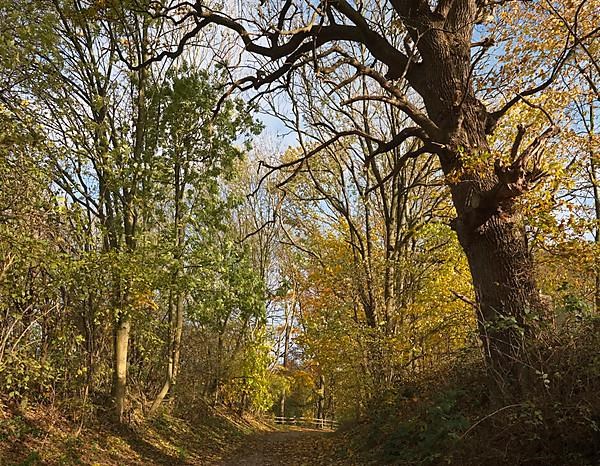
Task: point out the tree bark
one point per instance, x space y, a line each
493 237
289 322
174 353
596 193
321 399
502 271
121 343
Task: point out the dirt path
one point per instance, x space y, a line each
302 447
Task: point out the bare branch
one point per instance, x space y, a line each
567 54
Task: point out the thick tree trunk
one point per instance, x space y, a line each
489 227
494 240
502 271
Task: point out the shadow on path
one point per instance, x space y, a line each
294 447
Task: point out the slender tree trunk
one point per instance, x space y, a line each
178 334
321 399
282 405
121 343
596 191
174 352
88 316
289 318
176 311
129 194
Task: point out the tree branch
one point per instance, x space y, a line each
513 181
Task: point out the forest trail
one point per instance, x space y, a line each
299 447
45 436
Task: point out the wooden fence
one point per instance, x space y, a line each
328 424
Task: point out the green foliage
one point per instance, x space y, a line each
448 417
254 384
573 304
98 224
425 437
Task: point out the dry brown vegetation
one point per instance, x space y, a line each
44 435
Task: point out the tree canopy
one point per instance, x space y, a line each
414 244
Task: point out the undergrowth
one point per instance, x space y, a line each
447 417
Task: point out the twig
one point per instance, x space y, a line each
487 417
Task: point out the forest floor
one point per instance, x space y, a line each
45 436
293 446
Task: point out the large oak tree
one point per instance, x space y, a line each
423 55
